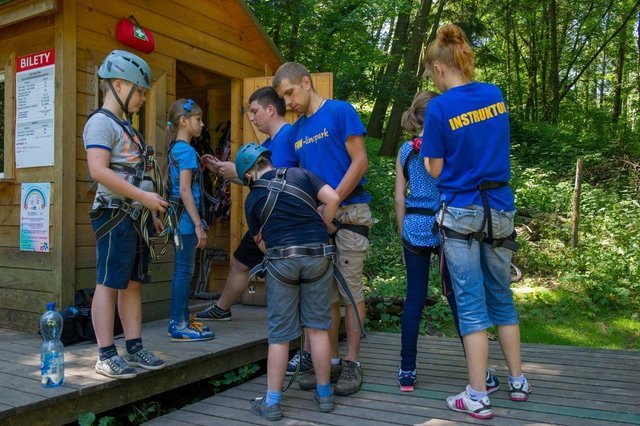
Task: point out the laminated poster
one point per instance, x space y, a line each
35 93
34 216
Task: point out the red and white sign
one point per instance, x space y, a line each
35 109
35 60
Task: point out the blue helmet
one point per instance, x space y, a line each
126 66
247 156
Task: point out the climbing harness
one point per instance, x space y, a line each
487 238
134 175
276 186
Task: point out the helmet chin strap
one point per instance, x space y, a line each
125 105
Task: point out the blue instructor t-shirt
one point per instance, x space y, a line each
319 142
468 126
185 158
282 154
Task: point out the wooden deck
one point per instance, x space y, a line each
571 386
23 400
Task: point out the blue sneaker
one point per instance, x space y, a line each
303 358
493 384
189 332
406 380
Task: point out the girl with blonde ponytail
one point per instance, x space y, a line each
468 150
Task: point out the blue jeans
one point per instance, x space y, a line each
417 261
479 272
184 262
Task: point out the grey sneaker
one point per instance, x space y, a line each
325 403
145 359
308 381
350 379
214 313
269 412
115 368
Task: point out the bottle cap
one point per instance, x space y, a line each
51 306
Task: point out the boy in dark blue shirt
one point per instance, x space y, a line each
299 271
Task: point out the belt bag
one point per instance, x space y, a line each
131 33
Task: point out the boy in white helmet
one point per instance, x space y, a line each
117 158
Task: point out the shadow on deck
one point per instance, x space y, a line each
572 386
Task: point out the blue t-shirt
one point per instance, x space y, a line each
185 157
282 153
320 143
468 126
417 229
292 221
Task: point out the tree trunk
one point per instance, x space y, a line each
387 82
554 81
295 27
617 91
408 81
637 112
601 80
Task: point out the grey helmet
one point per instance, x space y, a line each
126 66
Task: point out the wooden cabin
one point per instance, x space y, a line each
213 51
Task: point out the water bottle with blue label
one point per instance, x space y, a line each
51 351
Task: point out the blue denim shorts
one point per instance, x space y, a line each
290 307
479 272
121 256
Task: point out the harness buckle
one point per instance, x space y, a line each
277 185
328 250
130 210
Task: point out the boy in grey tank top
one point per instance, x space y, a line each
115 156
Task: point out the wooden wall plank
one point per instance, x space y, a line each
12 257
63 214
25 321
9 236
15 12
27 300
103 16
24 279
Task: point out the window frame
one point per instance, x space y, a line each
4 121
8 172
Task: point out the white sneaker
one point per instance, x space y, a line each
519 391
463 403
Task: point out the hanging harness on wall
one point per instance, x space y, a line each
276 186
220 205
135 176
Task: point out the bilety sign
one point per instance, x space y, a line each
35 95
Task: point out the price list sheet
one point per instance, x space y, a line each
35 94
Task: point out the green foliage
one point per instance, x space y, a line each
341 36
573 289
88 419
232 378
142 413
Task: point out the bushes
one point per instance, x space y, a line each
600 277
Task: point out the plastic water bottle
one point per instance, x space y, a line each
51 351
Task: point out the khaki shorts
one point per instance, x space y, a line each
352 250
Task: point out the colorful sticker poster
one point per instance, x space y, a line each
34 216
35 93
